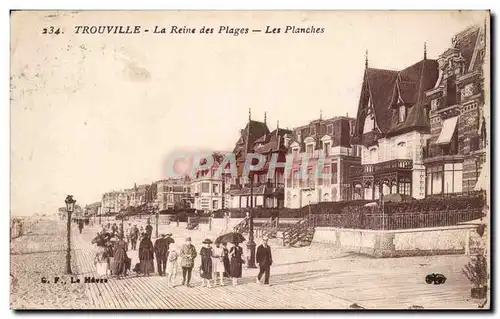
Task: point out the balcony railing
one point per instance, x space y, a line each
393 165
388 166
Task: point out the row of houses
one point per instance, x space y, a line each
419 131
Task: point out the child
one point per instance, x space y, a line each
171 269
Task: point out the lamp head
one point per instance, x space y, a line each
70 203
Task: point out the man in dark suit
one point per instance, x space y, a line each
161 250
265 260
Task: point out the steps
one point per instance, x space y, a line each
299 235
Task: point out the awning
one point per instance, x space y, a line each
482 181
449 127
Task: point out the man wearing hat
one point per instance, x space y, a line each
134 236
188 254
149 229
264 258
161 252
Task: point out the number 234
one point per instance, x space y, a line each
51 30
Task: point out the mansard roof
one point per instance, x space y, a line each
340 133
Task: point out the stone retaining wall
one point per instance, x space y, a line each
398 243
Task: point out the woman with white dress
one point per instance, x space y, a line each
218 264
101 262
171 269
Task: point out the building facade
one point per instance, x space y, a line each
456 149
392 128
267 189
173 194
323 138
137 195
207 187
115 201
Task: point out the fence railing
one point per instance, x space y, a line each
242 227
378 221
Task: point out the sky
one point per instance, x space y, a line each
93 113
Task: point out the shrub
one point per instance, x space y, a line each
477 271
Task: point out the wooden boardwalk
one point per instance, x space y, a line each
153 293
302 278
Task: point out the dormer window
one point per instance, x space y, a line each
369 123
295 152
310 150
401 113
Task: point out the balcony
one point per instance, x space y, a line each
389 166
384 167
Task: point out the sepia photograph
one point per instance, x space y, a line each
250 160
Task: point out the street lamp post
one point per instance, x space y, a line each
70 207
251 243
157 211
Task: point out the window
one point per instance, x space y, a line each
310 150
334 173
215 188
215 204
373 155
295 153
376 191
205 187
295 178
451 91
435 180
369 124
310 178
434 104
326 171
170 198
452 178
401 150
404 186
326 148
402 113
313 130
329 129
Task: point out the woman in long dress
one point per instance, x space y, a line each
172 262
237 261
120 256
206 268
225 260
146 256
218 264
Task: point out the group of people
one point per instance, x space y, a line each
217 262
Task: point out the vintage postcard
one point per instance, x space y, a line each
250 160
